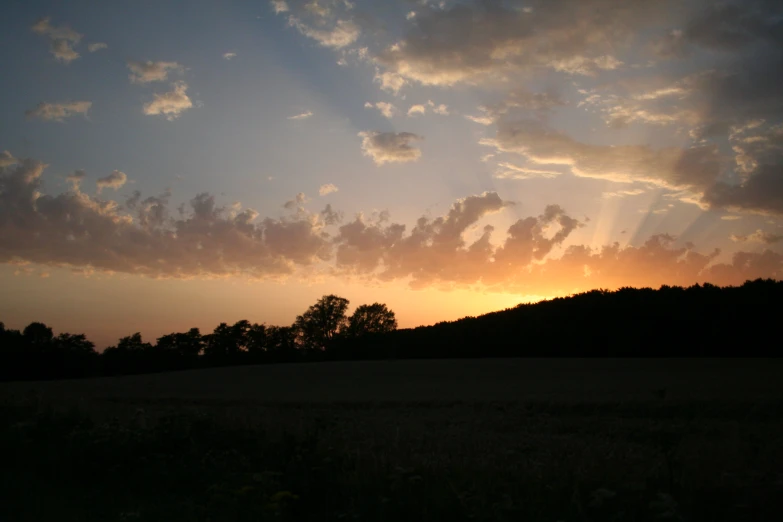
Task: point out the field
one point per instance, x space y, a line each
524 439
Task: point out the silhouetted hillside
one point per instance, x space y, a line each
701 320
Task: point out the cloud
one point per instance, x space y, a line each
622 193
385 108
85 233
728 27
441 109
342 34
7 159
390 147
115 180
61 39
279 6
421 108
330 216
76 178
482 120
511 171
694 168
505 39
299 199
301 116
171 104
97 46
433 248
147 72
328 188
759 236
229 56
58 111
417 109
145 237
390 82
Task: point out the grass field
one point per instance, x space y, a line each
542 440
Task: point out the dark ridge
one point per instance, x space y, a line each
697 321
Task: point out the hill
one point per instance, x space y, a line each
701 320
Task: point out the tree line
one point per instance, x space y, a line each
35 353
696 321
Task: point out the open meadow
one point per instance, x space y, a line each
490 439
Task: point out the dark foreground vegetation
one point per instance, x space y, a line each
701 320
107 459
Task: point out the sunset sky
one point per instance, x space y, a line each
167 165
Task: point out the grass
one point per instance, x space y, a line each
151 448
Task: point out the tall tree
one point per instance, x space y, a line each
323 322
372 318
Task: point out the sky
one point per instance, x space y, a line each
166 166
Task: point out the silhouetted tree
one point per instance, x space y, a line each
322 323
131 355
256 343
74 356
281 344
179 351
38 334
373 318
226 344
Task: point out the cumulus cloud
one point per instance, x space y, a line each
115 180
385 108
6 159
390 147
327 188
75 230
228 56
97 46
76 178
301 115
58 111
433 248
145 237
759 236
147 72
299 200
171 104
61 39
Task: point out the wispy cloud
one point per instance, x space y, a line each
97 46
58 111
301 116
229 56
147 72
511 171
759 236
